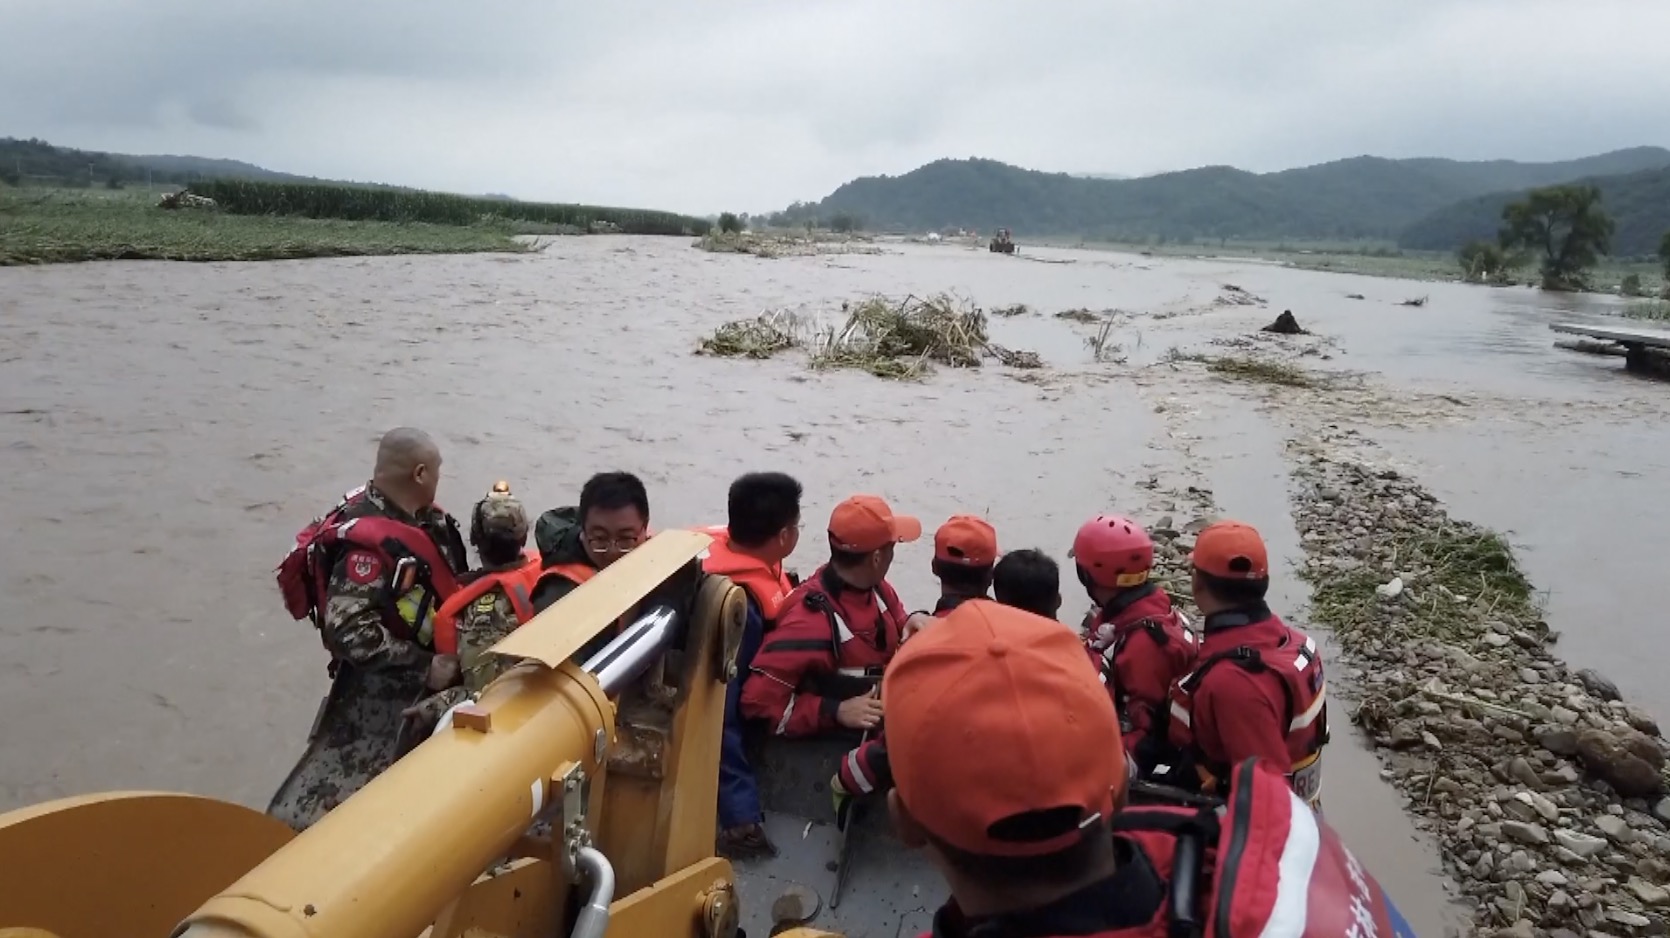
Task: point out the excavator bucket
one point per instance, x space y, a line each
858 882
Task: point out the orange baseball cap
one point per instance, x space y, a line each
966 540
864 523
1231 550
1002 739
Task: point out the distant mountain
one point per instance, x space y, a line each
41 162
1638 202
206 168
1362 197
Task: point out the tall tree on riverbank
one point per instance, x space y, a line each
1664 255
1566 225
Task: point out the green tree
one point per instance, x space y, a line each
1664 254
1566 225
1480 260
729 223
1631 285
843 223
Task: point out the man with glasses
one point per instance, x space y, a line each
575 543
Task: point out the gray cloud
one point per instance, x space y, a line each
753 104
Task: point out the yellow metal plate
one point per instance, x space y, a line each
557 633
126 863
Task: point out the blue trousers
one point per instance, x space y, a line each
739 792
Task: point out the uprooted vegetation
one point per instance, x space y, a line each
1079 315
1251 369
889 339
761 337
784 245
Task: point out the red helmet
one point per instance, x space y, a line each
1114 552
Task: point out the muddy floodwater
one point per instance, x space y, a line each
165 429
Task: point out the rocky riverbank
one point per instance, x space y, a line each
1545 791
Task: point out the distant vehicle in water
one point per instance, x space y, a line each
1003 242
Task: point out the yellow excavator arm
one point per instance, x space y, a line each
569 798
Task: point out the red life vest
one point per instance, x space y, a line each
1292 658
767 583
517 584
1174 645
856 656
1268 866
304 573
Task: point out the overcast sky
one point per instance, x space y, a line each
704 105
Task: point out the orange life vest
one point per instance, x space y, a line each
517 583
767 583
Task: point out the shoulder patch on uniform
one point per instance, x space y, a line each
486 603
364 567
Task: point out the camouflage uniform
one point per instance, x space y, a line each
491 617
375 676
488 619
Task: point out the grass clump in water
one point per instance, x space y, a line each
1078 315
1251 369
894 340
1459 577
1255 369
898 340
761 337
1658 311
1010 312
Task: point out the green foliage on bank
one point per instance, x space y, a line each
352 203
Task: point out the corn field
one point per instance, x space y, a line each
353 203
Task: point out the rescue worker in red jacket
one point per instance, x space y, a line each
965 551
965 548
1141 643
762 530
818 668
370 574
1028 579
577 542
1004 780
1257 688
1004 776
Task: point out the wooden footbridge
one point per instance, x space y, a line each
1646 351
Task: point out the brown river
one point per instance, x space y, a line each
165 429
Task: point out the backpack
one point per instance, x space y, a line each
296 573
552 529
1261 864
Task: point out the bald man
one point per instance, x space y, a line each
374 571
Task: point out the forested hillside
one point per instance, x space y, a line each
1639 204
41 163
1362 197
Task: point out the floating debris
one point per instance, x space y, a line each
1102 349
1235 296
1009 312
898 340
1251 369
1015 358
1417 301
895 340
1079 315
1285 324
771 246
761 337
